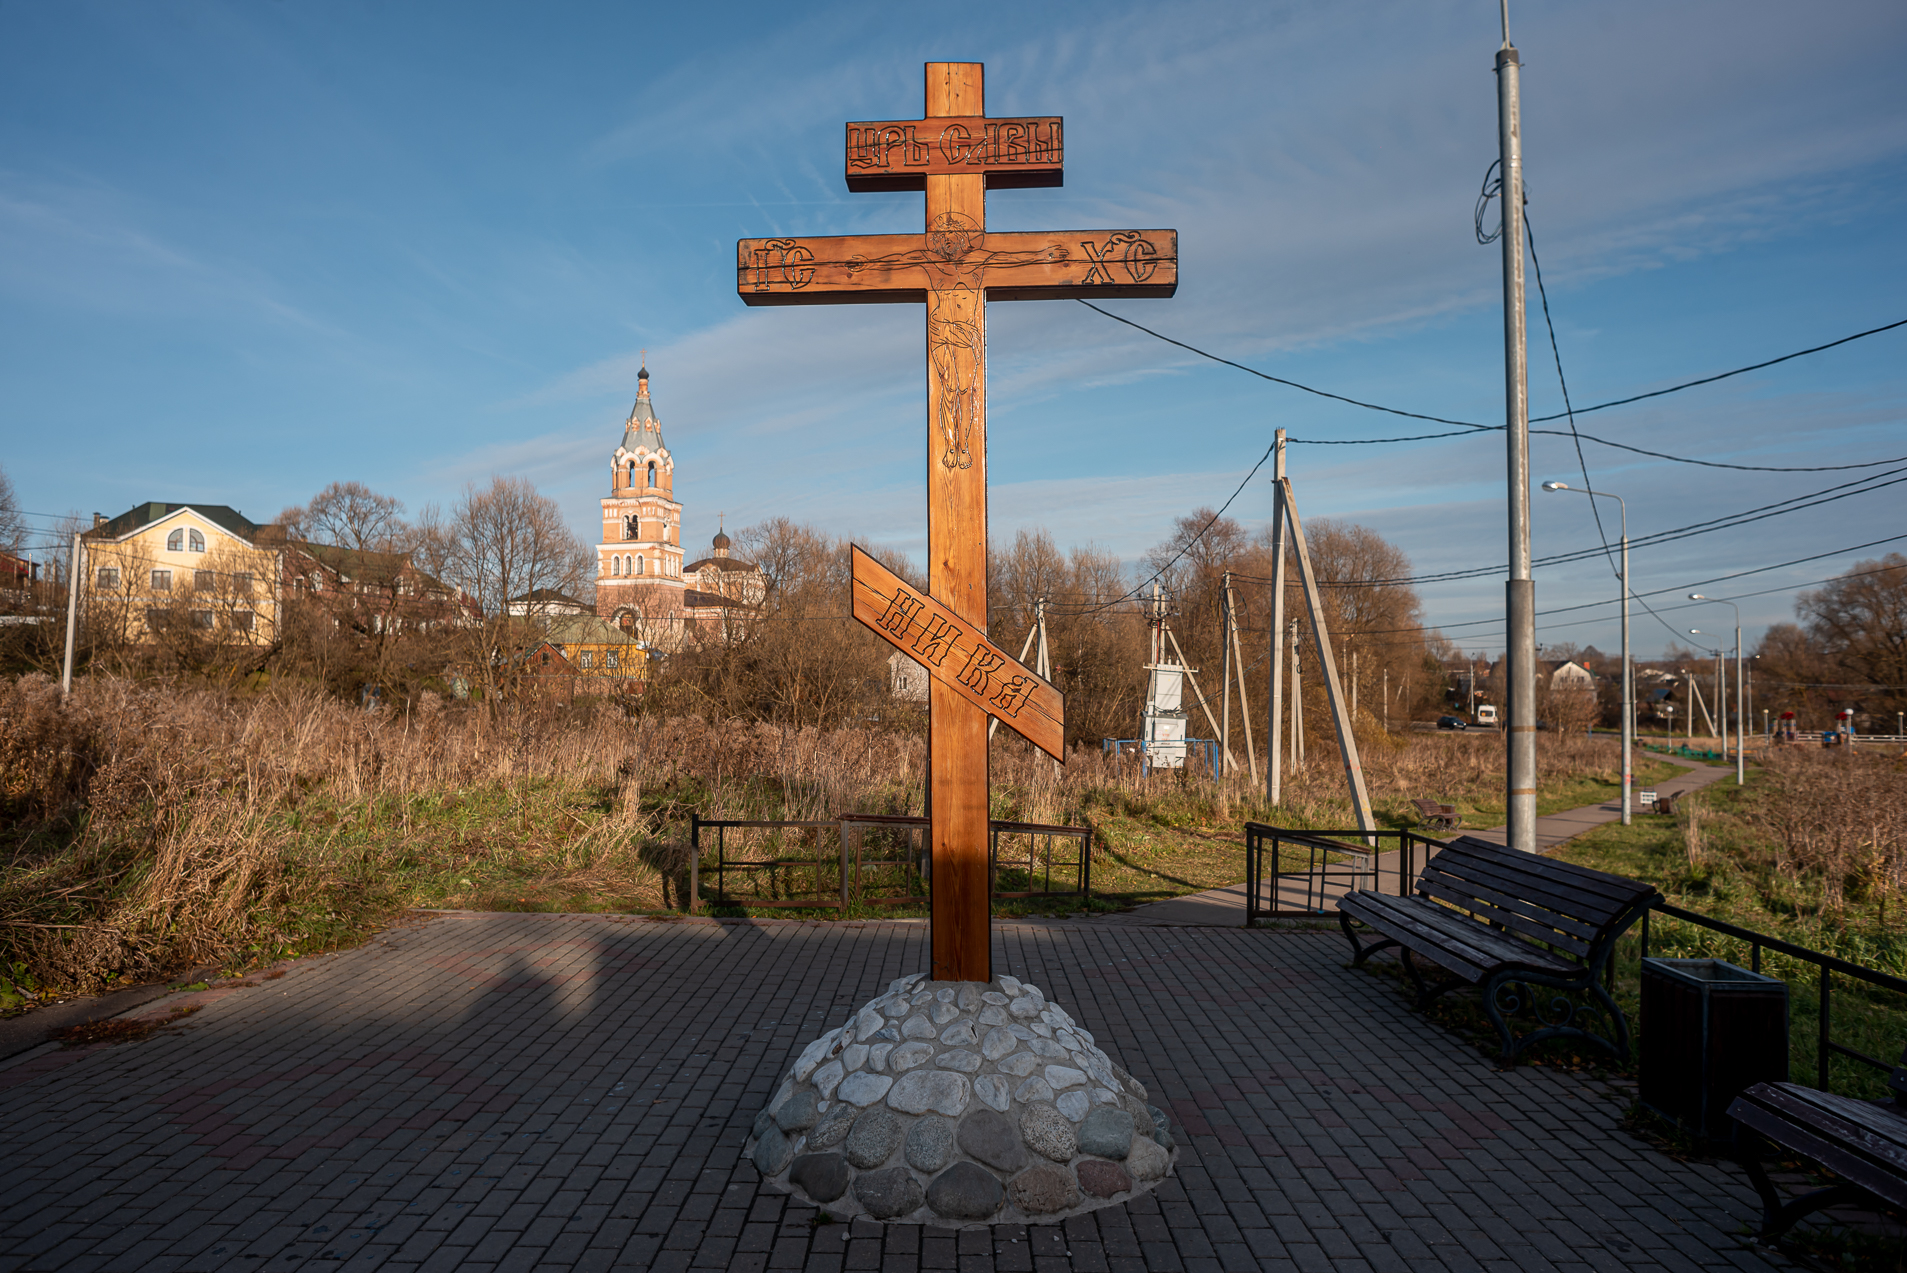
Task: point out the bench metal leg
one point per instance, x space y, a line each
1779 1216
1427 993
1511 994
1359 951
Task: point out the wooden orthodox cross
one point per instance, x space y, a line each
956 154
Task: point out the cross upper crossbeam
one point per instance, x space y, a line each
902 154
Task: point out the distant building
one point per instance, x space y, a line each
159 568
545 603
639 583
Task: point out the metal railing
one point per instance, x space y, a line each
1348 858
1825 1046
883 860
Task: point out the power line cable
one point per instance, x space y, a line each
1467 428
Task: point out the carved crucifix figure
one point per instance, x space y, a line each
955 154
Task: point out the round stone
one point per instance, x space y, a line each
1102 1097
799 1112
945 994
1025 1008
1044 1189
1161 1126
967 999
1147 1159
998 1043
992 1015
1048 1133
854 1056
959 1034
833 1127
763 1121
1103 1179
867 1023
772 1152
874 1138
994 1090
1141 1116
1073 1104
1011 985
908 1055
862 1089
989 1136
942 1013
1020 1064
1050 1050
942 1091
966 1191
887 1194
930 1144
829 1076
917 1028
1064 1076
1034 1089
964 1061
895 1008
877 1056
1106 1133
823 1177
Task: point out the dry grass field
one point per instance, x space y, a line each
150 829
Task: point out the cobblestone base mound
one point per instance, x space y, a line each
960 1104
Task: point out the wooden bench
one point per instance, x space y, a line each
1862 1142
1436 817
1505 922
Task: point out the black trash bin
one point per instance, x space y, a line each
1709 1029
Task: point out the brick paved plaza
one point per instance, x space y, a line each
519 1092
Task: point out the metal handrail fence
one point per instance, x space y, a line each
869 878
1328 859
781 871
1825 1047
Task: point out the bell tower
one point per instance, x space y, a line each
639 583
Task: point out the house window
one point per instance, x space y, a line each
316 580
175 542
609 658
242 583
157 619
201 618
205 579
243 620
195 541
109 576
546 658
652 472
162 581
589 659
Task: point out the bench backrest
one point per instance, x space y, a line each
1569 907
1897 1081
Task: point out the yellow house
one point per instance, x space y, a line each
605 658
174 571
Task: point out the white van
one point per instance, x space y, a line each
1486 714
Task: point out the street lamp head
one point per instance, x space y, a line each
1556 486
1696 596
1695 632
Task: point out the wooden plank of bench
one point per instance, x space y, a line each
1582 879
1793 1125
1874 1128
1532 921
1479 951
1546 883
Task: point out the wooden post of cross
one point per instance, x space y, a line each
955 154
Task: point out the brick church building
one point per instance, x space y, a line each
641 583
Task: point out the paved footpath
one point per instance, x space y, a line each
518 1092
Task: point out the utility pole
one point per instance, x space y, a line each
1520 592
1274 772
72 615
1297 706
1225 699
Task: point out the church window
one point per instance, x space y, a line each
652 472
615 565
638 565
195 541
175 542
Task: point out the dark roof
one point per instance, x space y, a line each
142 515
642 427
546 595
355 563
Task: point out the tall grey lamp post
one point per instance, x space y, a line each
1741 700
1628 672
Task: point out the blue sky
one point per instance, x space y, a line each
255 248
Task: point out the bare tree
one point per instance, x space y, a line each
351 515
13 531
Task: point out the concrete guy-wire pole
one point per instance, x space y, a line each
1520 656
